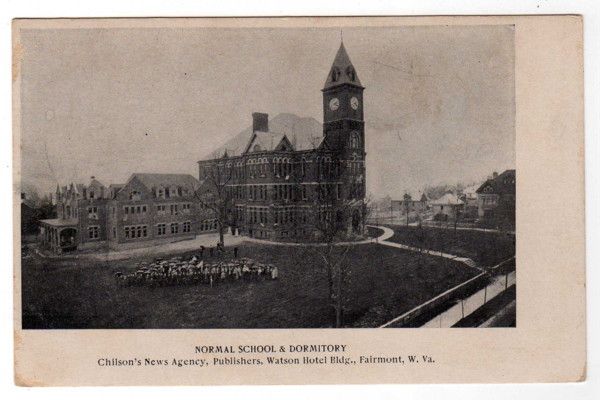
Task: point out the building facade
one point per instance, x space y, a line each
447 208
411 203
496 198
278 190
148 209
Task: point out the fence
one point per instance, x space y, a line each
466 289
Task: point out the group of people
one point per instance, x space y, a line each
176 271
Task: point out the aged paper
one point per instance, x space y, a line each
298 200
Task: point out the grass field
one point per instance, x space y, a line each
486 248
385 282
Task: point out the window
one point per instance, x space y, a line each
127 232
135 195
174 228
93 232
161 229
91 194
174 210
335 73
187 226
93 212
354 140
114 232
161 209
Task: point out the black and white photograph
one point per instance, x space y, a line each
269 177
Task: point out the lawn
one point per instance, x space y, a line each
486 248
385 282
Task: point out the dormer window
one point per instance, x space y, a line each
335 74
91 194
257 148
351 74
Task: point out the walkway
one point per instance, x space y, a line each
388 233
206 240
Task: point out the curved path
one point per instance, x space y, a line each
382 240
387 233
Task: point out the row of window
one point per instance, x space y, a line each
208 225
136 231
141 231
280 168
161 229
173 209
280 215
161 209
284 191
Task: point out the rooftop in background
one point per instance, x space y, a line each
303 134
166 180
505 183
449 199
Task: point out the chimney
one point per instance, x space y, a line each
260 122
495 175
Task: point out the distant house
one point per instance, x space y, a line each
496 198
416 202
148 209
471 206
447 207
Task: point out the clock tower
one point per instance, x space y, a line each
343 118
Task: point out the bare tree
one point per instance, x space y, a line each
215 194
338 215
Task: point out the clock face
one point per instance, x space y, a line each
354 103
334 104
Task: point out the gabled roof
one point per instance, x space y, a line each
165 180
449 199
502 184
342 71
268 141
114 188
95 182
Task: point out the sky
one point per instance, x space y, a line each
439 100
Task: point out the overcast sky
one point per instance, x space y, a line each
439 101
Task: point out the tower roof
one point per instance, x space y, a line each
342 71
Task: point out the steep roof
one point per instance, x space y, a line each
166 180
304 133
266 141
447 199
342 71
502 184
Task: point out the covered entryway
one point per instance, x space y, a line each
59 235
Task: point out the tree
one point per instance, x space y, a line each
338 215
214 192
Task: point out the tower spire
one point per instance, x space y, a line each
342 71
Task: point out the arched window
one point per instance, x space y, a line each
354 140
335 74
351 74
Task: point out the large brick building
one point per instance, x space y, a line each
147 209
277 189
